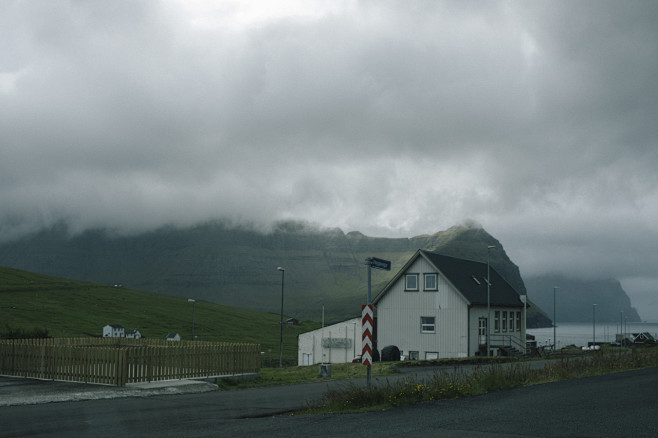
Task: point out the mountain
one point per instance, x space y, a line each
574 299
237 266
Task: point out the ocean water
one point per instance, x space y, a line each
580 334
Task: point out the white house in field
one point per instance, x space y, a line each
173 337
133 334
114 331
337 343
436 307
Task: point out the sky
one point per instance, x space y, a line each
536 120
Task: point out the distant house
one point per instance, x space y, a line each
114 331
292 321
436 307
133 334
337 343
173 337
635 338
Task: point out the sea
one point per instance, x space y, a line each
580 334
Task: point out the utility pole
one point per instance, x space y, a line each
490 247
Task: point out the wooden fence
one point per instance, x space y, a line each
118 361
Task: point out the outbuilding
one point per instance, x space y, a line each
336 343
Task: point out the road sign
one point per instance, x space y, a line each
366 334
380 264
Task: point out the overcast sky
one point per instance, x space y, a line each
535 119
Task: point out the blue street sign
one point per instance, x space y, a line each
379 263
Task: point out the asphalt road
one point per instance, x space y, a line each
614 405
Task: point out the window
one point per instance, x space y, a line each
511 321
431 355
427 324
497 321
411 282
504 321
431 282
413 355
518 321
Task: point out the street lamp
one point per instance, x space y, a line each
593 325
488 296
193 301
283 274
554 319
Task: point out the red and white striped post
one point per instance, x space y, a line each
366 334
367 315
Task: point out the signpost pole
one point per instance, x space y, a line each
367 316
368 303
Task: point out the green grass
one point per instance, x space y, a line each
307 374
482 380
31 303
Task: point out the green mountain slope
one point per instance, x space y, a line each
237 266
68 308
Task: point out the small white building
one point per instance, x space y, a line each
173 337
337 343
133 334
436 307
114 331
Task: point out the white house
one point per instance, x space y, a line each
436 307
114 331
173 337
133 334
337 343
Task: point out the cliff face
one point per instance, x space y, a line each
574 299
236 266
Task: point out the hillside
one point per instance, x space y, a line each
66 308
236 266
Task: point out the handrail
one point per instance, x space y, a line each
507 340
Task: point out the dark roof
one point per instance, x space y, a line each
470 279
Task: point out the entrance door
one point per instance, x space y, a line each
482 331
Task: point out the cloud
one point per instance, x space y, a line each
535 119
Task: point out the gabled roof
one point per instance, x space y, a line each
468 277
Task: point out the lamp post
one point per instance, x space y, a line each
593 325
283 274
193 301
621 328
489 248
554 318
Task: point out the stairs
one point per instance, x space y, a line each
508 350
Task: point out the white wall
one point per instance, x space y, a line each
518 336
398 317
342 341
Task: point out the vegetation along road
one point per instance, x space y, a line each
618 404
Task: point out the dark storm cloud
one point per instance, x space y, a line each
536 119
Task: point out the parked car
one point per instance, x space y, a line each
357 359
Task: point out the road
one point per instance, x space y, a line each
613 405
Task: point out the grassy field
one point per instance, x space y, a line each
481 380
32 303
